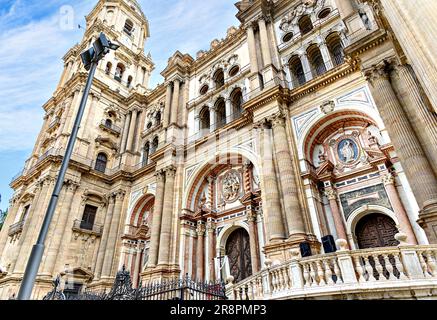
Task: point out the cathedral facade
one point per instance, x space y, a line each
296 158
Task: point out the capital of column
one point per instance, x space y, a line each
160 175
210 226
331 194
380 71
388 179
71 185
109 198
119 194
200 229
170 171
251 215
46 181
277 120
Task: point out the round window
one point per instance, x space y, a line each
204 89
324 13
234 70
287 37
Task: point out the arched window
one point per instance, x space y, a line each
155 144
158 118
204 120
119 71
101 162
316 60
237 103
128 27
108 123
220 111
108 68
146 153
129 81
296 71
219 78
305 24
335 48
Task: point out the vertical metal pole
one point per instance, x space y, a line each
38 249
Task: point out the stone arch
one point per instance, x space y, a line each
343 110
358 214
222 238
195 180
138 208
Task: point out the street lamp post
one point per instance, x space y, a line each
90 59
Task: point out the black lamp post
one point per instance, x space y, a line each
90 59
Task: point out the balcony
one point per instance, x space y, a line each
111 128
394 272
86 227
16 228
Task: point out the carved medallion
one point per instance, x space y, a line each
231 186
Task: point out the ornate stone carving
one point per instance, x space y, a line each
331 194
388 179
231 186
327 107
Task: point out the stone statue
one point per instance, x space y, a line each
348 152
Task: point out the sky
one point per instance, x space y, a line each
35 35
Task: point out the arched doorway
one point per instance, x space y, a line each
376 230
238 252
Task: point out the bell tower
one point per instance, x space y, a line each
124 23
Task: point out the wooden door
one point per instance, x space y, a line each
238 252
376 230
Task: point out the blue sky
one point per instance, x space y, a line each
33 39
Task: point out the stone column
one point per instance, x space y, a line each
167 108
133 124
407 146
167 217
137 266
254 67
175 102
113 234
12 213
125 132
275 228
62 223
326 55
401 214
247 177
306 66
212 119
157 219
265 45
104 238
210 227
424 122
345 8
200 250
253 238
287 177
229 112
340 228
32 226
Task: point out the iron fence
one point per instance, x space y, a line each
173 289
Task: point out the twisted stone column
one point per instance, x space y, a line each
113 234
401 214
167 217
167 108
423 121
408 148
175 102
331 194
156 219
287 177
275 228
104 238
133 124
253 239
200 250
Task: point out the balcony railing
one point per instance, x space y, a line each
111 127
383 269
84 226
16 228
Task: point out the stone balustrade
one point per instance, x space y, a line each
392 272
